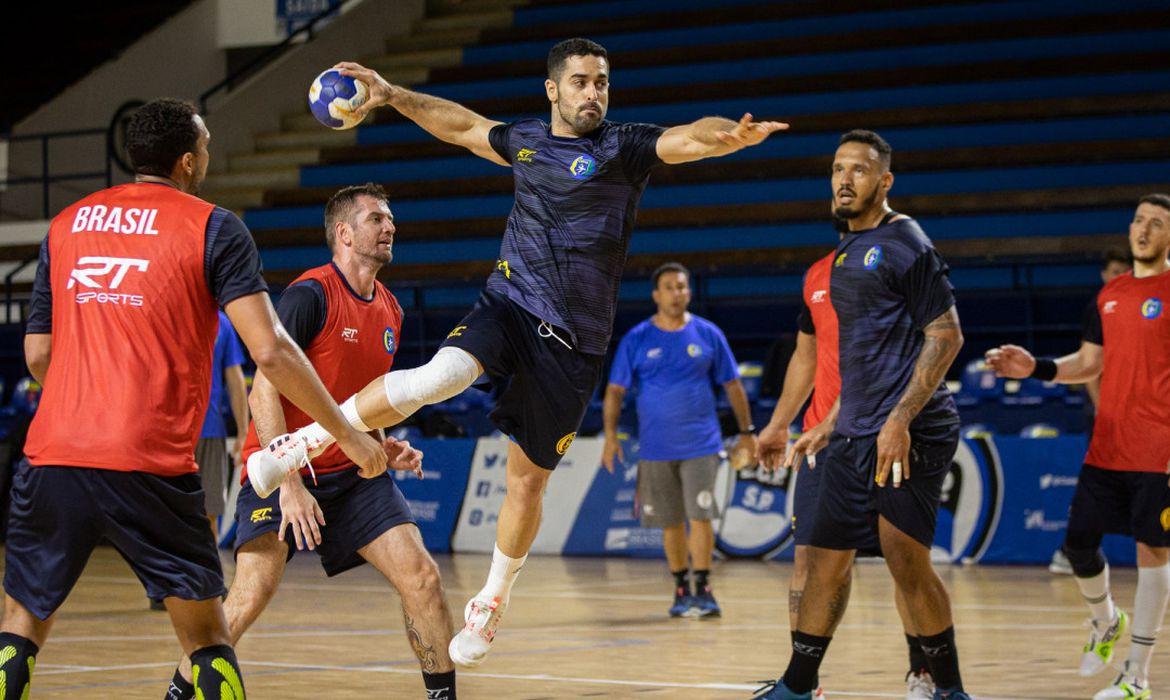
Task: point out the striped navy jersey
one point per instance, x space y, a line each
887 284
565 243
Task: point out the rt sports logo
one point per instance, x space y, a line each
91 272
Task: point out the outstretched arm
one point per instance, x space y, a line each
711 137
944 338
1016 362
443 119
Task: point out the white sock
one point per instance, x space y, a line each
502 574
1149 605
320 438
1095 591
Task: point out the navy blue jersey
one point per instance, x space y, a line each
565 244
887 284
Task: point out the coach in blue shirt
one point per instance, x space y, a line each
676 358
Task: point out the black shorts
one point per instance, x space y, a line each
1114 502
158 524
357 511
804 511
849 501
543 386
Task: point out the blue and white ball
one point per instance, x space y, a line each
333 97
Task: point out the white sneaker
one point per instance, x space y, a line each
1098 651
919 686
1127 686
474 641
268 467
1060 564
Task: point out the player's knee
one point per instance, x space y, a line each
1086 562
448 373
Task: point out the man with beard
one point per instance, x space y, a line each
350 326
542 327
128 285
1122 488
894 429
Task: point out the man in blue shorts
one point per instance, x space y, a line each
894 428
542 327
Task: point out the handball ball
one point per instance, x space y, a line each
333 97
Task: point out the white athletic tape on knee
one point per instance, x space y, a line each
448 373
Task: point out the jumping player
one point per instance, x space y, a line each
542 327
894 419
813 369
126 292
350 326
1123 486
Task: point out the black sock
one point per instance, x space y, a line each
18 657
180 688
701 585
440 686
817 678
808 650
918 661
682 584
216 667
943 658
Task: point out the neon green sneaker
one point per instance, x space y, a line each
1098 651
1127 686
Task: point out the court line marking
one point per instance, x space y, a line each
772 601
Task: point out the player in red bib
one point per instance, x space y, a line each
120 333
1123 486
349 325
813 369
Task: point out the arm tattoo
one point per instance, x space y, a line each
942 343
425 653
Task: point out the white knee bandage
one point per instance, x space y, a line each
448 373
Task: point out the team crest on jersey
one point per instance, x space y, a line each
694 350
388 341
563 443
582 167
840 260
1152 308
873 257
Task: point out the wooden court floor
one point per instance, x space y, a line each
581 628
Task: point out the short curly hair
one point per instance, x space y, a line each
159 133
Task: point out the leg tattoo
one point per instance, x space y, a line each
425 653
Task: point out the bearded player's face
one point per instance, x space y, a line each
373 229
859 181
581 94
1149 233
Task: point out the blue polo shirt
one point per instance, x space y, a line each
229 352
675 373
887 284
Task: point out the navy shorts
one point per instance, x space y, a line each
850 502
804 511
59 514
356 512
543 386
1114 502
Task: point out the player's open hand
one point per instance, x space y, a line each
771 446
403 457
893 453
612 448
1010 361
299 512
808 445
380 89
749 133
364 451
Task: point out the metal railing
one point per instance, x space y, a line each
46 177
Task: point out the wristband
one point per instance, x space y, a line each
1045 370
